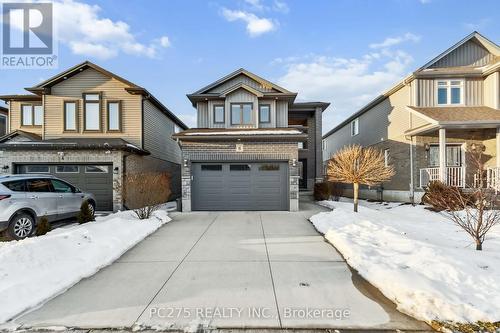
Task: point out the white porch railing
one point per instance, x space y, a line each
455 176
493 178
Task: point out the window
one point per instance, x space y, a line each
177 129
92 112
269 167
453 155
3 125
67 169
37 169
31 115
323 144
450 92
219 114
355 127
302 145
70 116
265 113
114 116
211 167
239 167
241 114
386 157
62 187
39 185
96 169
16 185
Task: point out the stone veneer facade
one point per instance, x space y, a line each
222 151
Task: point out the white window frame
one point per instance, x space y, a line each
386 156
106 167
448 87
77 168
355 127
324 144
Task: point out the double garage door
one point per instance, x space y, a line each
239 186
93 178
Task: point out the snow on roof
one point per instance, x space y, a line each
247 132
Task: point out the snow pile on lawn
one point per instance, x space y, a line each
418 259
36 269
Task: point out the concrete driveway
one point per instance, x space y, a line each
226 270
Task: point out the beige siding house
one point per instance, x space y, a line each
426 123
90 127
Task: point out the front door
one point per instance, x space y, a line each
303 173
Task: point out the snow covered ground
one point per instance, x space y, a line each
36 269
418 259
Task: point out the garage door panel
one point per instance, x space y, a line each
240 186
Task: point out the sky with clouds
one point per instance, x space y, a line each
345 52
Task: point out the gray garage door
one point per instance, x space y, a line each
94 178
240 186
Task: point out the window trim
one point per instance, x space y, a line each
355 121
97 165
76 116
32 107
223 113
387 152
241 113
448 92
260 118
99 102
63 172
38 172
120 113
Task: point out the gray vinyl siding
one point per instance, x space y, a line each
202 114
469 54
473 92
272 123
241 79
281 114
158 131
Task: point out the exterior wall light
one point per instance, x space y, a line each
115 170
185 163
61 155
294 162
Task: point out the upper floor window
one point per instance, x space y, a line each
386 157
177 129
355 127
219 114
265 113
31 115
92 111
323 144
450 92
70 116
114 116
241 113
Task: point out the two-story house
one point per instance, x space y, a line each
427 123
90 127
253 148
4 113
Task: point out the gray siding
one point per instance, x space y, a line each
281 114
202 114
469 54
241 79
473 92
158 131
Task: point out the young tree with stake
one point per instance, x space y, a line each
357 165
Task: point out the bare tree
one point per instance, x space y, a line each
145 192
357 165
473 211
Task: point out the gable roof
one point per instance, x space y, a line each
485 42
75 70
243 72
30 136
411 77
241 86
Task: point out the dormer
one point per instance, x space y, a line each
242 100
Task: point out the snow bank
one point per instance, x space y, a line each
36 269
418 259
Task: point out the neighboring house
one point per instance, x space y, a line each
4 113
253 149
90 127
426 123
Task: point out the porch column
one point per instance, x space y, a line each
498 147
442 155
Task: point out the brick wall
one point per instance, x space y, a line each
226 151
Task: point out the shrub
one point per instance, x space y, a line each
441 197
85 215
336 190
321 191
43 226
145 192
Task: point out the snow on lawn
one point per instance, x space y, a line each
36 269
418 259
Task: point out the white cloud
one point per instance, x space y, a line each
281 6
347 83
256 4
391 41
256 26
84 29
189 119
424 2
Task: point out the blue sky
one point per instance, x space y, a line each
343 52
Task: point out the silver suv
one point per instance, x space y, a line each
25 199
